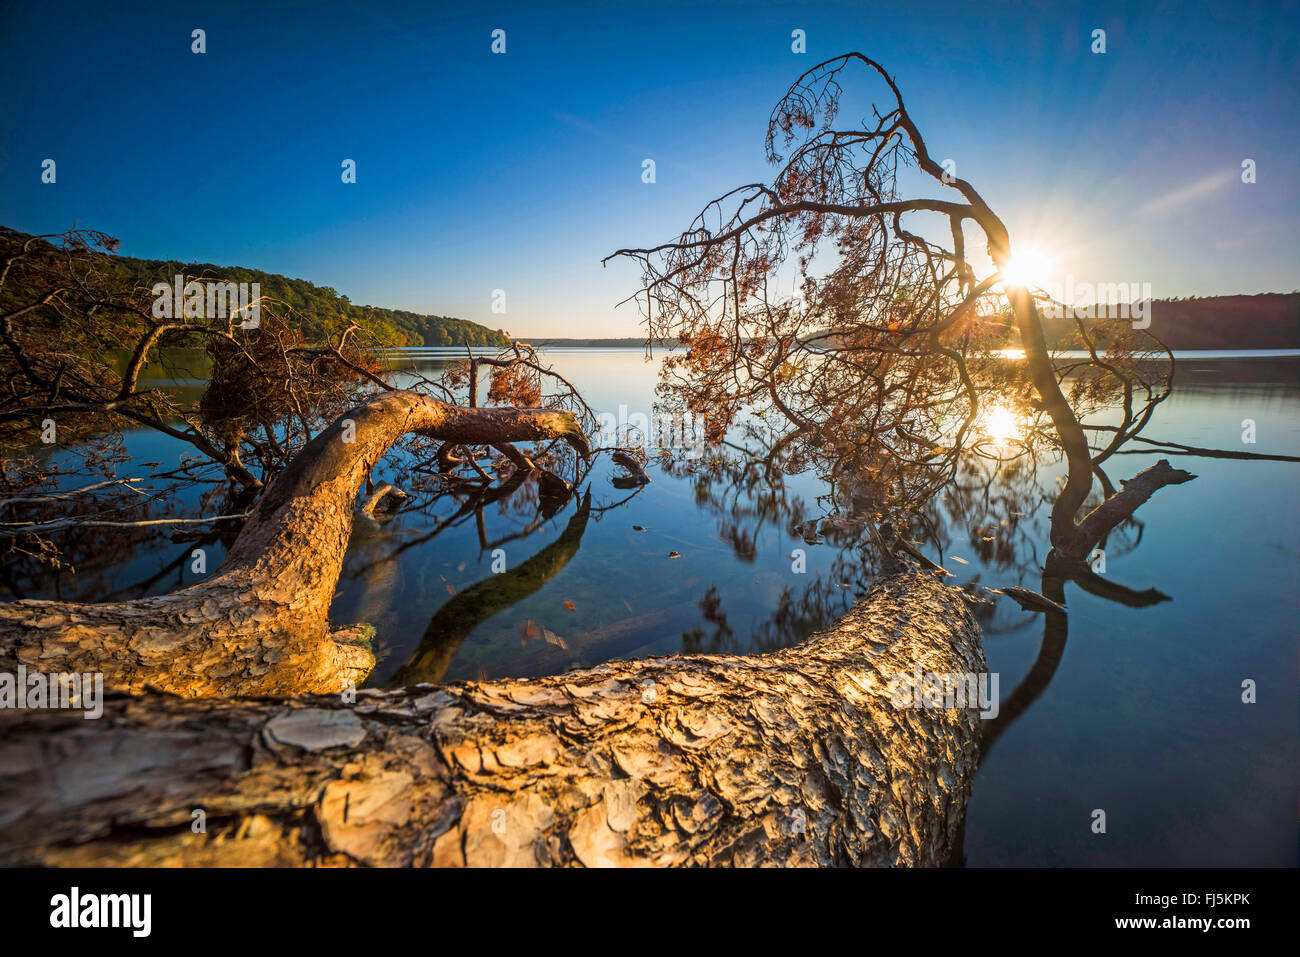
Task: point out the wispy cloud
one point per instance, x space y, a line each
1169 202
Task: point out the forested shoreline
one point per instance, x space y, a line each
320 312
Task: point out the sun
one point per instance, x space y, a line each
1030 267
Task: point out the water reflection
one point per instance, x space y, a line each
1131 701
468 609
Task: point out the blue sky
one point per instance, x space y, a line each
519 172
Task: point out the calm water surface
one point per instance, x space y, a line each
1137 710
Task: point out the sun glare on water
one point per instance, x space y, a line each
1000 424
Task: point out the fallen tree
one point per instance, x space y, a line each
794 757
261 625
798 756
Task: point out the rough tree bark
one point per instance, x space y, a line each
260 625
794 757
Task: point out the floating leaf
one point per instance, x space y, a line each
529 631
570 605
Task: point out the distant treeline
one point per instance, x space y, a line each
1269 320
1261 321
320 312
421 330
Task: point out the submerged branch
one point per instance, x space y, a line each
261 625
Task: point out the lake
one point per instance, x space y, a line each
1137 710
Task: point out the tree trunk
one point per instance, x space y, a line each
798 757
260 625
